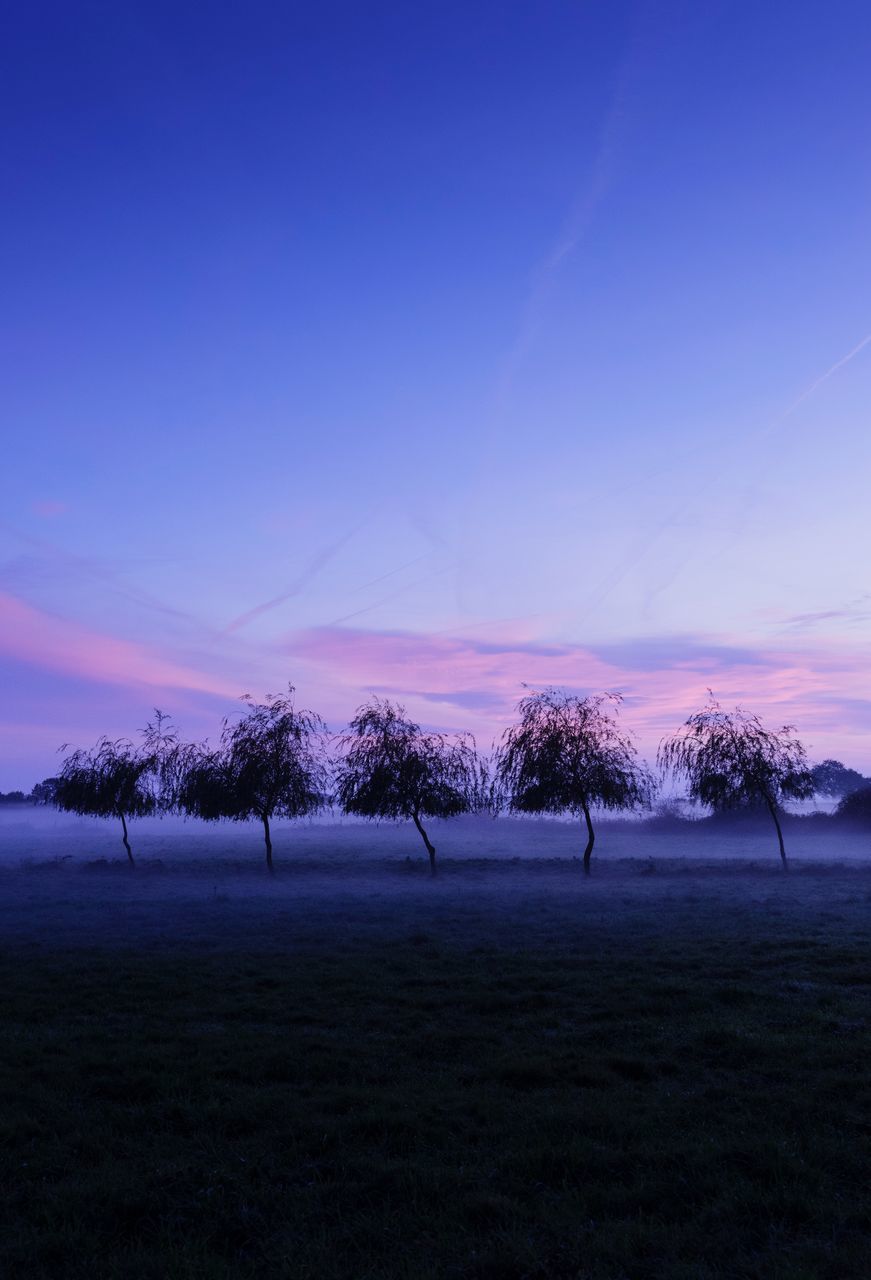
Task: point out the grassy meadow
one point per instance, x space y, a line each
506 1072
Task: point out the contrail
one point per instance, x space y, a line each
313 568
818 382
642 545
392 572
409 586
96 569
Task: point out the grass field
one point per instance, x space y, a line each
505 1073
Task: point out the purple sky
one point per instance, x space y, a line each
431 350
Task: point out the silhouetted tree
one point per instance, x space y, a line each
167 759
729 759
831 778
112 780
268 764
390 768
856 807
44 792
568 755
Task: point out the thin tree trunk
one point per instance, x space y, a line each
268 838
429 848
773 811
126 841
591 838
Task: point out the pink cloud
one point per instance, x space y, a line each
457 682
48 508
463 682
57 644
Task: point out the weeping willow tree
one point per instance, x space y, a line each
568 755
390 768
268 764
111 780
117 779
729 759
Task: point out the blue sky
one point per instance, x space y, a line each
343 342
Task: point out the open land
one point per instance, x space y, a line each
350 1070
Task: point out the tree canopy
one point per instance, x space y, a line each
44 792
831 778
729 759
269 763
112 780
856 806
390 768
569 755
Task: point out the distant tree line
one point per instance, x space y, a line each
565 755
42 793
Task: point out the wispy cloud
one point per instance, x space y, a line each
57 644
466 683
854 612
49 508
48 562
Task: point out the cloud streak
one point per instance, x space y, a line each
454 682
468 683
56 644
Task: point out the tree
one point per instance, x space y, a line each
44 792
270 763
856 806
831 778
167 758
390 768
730 759
569 755
112 780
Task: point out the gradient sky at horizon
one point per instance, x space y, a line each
430 349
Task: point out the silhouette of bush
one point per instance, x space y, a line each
856 807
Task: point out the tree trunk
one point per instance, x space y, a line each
591 838
773 811
429 848
126 841
268 838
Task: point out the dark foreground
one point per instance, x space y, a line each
507 1073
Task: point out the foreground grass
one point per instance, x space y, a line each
689 1103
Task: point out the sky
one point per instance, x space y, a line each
434 350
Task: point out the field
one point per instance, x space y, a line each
353 1071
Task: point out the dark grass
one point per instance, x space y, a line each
683 1095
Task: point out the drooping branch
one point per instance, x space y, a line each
729 759
389 767
568 755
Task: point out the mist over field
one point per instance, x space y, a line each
37 835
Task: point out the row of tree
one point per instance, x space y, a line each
564 755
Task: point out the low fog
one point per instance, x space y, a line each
35 835
66 880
